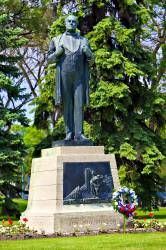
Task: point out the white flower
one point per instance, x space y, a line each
115 195
126 189
87 225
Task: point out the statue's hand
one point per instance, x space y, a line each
60 50
85 49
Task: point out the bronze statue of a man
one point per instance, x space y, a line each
71 53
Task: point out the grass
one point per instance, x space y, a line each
22 204
146 241
142 241
159 215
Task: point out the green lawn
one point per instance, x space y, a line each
144 241
159 215
21 204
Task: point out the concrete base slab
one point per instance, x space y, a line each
68 222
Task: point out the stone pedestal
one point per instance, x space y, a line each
46 210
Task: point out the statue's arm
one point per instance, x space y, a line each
54 53
51 58
87 50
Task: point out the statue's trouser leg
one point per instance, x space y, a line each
67 95
78 109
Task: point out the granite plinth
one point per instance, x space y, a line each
47 211
72 143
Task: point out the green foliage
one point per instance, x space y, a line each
151 158
12 147
58 26
163 171
127 111
107 91
127 151
59 130
47 90
122 115
33 136
44 103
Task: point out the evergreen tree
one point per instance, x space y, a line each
12 148
127 110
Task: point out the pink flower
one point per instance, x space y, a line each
24 220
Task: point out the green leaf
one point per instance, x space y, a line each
127 151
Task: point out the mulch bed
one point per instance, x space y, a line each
76 234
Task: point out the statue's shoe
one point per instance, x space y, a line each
69 137
81 137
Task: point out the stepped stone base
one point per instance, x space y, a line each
46 211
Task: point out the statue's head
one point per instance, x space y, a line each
71 23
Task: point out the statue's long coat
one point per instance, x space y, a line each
54 44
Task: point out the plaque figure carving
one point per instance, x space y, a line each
96 188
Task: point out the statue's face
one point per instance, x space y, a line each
71 23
